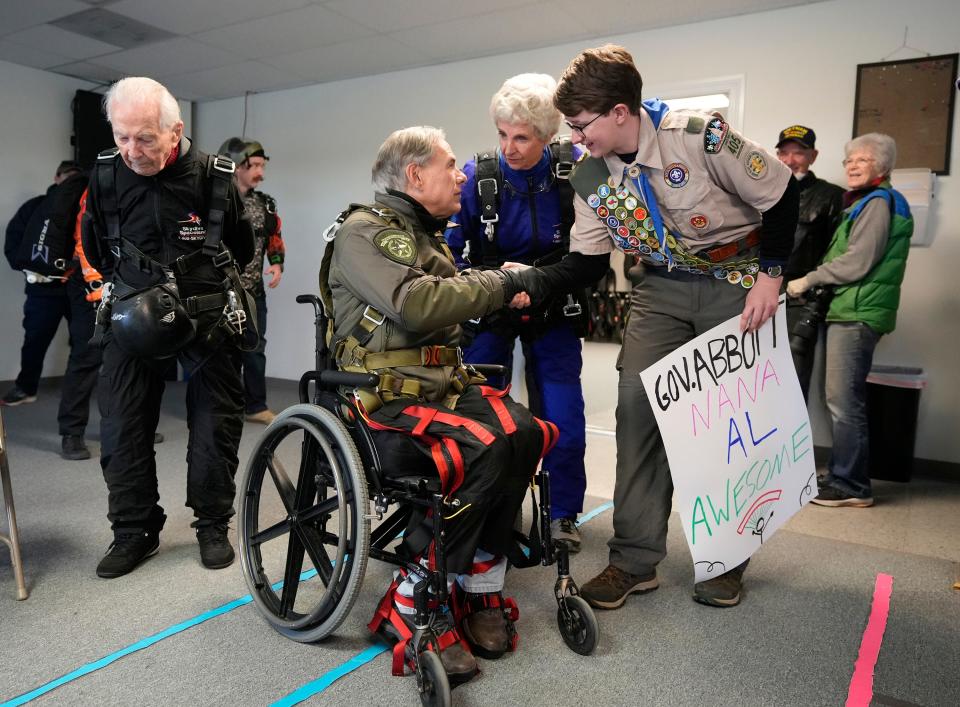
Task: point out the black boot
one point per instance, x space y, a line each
215 549
129 549
74 448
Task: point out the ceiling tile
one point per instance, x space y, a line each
189 16
233 80
20 14
169 58
69 44
362 57
89 72
26 55
391 16
285 33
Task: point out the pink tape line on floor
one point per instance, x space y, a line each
861 684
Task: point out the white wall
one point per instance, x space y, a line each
799 66
36 126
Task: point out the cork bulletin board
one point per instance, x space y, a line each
912 101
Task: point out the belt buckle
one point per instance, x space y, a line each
373 320
562 170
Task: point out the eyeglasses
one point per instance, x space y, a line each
857 161
580 128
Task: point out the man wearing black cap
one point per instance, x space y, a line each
261 209
46 300
820 205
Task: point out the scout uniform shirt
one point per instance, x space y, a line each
705 182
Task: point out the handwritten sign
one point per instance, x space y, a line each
738 439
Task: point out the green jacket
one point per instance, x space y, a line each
875 298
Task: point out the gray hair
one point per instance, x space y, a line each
882 148
528 98
140 90
413 145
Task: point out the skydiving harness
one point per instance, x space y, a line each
490 185
238 313
349 351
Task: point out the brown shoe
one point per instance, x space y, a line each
486 625
610 588
264 417
722 591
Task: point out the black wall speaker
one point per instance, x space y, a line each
91 131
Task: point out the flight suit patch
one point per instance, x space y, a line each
399 246
755 164
714 136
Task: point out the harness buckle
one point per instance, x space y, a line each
222 259
223 164
572 308
370 318
234 314
562 170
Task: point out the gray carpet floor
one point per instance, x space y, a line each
793 641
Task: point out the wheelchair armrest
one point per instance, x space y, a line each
489 369
329 380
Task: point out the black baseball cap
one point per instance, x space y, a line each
68 166
798 133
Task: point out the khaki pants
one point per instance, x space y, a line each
666 311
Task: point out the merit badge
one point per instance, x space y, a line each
611 182
623 231
399 246
657 255
699 221
603 211
631 223
630 202
648 223
603 191
620 213
593 201
747 282
676 175
612 202
733 277
720 274
612 221
653 242
640 213
645 249
755 164
671 241
634 241
734 144
714 135
633 172
622 191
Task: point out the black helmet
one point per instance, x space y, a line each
240 150
151 323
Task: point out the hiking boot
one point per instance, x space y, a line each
458 662
15 396
74 448
564 531
216 552
126 552
835 498
487 623
722 591
264 417
610 588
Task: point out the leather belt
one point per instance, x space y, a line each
720 253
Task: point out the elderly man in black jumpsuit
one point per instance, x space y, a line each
151 207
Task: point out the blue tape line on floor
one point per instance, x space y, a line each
324 681
139 645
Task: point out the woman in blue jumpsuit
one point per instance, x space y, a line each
529 228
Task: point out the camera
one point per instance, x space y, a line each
804 333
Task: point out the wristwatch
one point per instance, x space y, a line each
773 271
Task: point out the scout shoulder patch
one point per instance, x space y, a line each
694 124
755 164
715 135
397 245
734 143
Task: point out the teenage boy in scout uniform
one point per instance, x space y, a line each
398 300
711 216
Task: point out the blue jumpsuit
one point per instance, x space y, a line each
529 228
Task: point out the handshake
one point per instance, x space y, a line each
523 286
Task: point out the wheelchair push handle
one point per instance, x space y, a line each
311 299
489 369
329 379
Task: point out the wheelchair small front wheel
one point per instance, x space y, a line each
578 625
432 680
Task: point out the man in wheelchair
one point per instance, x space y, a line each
397 301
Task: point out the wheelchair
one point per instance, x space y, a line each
305 512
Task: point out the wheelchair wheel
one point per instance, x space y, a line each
304 534
432 681
578 625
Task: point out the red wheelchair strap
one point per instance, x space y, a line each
495 398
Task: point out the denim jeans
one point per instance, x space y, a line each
850 347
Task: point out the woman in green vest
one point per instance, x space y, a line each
864 265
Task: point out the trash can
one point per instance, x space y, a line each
893 401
